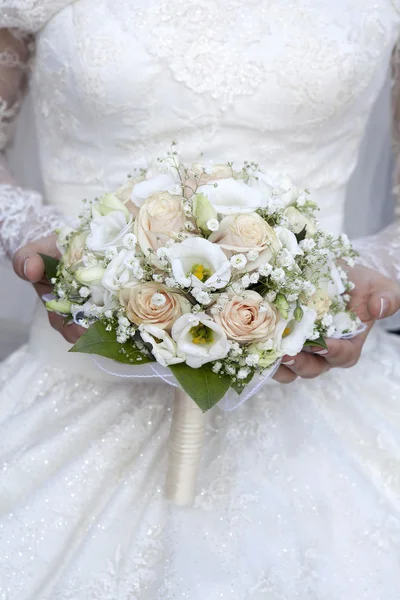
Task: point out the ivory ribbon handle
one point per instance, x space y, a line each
185 449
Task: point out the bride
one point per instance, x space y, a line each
299 489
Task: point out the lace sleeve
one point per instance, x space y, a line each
382 251
23 218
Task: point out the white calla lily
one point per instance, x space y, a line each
198 263
163 347
232 196
297 333
107 231
200 339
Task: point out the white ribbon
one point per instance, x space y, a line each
188 421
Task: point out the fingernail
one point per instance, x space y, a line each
322 352
384 308
25 267
289 363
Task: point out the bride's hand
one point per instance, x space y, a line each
374 297
29 266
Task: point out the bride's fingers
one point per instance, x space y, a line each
71 333
27 262
344 353
306 365
284 375
29 266
385 303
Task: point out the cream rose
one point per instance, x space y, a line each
152 304
248 318
240 234
160 218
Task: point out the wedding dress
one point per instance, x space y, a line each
299 488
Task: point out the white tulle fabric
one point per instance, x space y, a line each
298 493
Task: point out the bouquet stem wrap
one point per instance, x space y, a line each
185 449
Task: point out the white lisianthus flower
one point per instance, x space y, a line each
200 339
62 307
297 333
298 221
199 263
280 186
163 347
107 231
289 241
231 196
152 185
335 286
118 274
90 275
109 203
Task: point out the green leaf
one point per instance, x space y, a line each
302 235
97 340
239 386
320 343
204 386
50 266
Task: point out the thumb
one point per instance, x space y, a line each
27 262
384 303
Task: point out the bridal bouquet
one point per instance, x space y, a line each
214 272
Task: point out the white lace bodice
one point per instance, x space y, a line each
289 84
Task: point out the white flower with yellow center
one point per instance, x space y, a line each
163 347
198 263
296 333
200 339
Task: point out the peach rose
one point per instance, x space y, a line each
160 218
197 176
243 321
152 304
244 232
